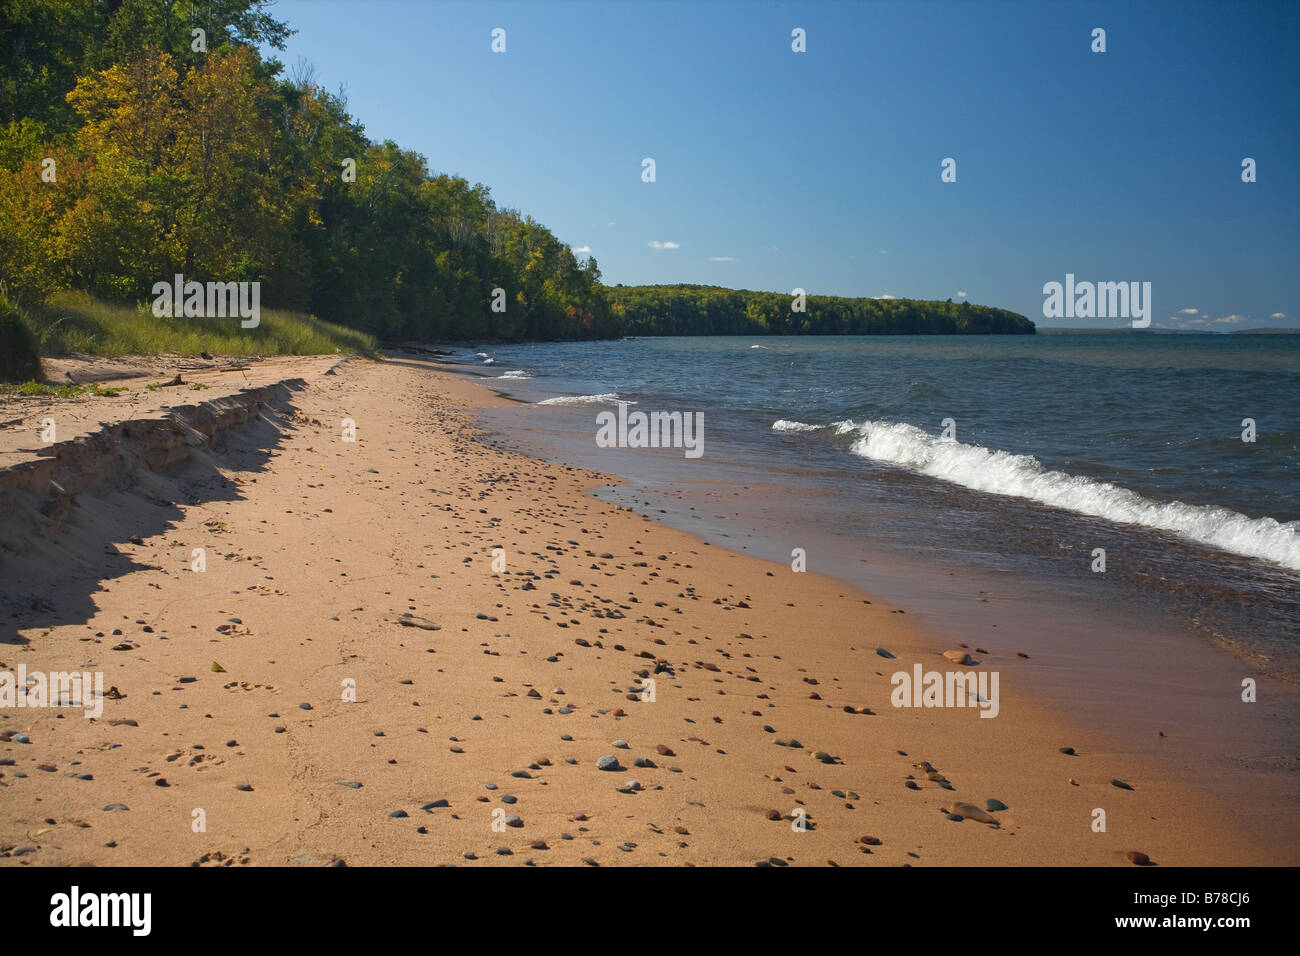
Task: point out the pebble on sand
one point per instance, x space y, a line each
410 620
972 812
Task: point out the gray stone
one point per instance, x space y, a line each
410 620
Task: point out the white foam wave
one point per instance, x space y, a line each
781 425
606 398
1023 476
784 425
516 373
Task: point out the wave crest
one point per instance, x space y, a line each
998 472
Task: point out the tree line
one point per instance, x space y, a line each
130 155
712 310
144 139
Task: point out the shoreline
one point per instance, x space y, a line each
323 546
1163 691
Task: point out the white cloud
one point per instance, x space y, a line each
1188 311
884 252
961 294
1230 319
656 244
722 258
581 250
1278 315
885 297
1197 321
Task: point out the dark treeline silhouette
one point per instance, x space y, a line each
712 310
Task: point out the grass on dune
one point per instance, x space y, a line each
73 322
31 389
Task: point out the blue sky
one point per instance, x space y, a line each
821 170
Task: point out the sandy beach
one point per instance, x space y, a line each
354 676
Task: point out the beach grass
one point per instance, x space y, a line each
31 389
75 323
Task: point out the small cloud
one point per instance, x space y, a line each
961 294
1230 319
1197 321
611 224
1278 315
656 244
581 250
1188 311
884 252
885 297
722 258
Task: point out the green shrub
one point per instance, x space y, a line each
19 361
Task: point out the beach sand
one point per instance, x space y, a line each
476 743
